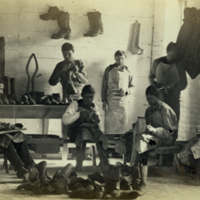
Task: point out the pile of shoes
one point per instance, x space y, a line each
7 97
95 186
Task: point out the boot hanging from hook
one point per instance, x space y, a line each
63 22
134 47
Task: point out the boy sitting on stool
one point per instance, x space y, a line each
82 121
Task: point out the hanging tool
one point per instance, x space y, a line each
32 79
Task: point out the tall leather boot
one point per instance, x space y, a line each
13 96
4 96
42 171
111 176
51 14
91 22
143 183
98 25
80 156
63 23
136 177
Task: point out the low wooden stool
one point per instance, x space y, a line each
66 150
168 150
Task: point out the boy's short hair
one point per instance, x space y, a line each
88 89
171 47
67 47
152 90
120 53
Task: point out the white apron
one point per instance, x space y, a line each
116 118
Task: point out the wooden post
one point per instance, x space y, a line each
6 164
93 156
45 125
2 56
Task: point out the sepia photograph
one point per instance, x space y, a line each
99 99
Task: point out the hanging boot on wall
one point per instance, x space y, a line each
96 25
63 23
91 22
51 14
134 48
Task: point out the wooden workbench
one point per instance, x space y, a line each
44 112
32 111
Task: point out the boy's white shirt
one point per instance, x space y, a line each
71 114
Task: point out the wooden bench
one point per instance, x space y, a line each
66 150
52 144
5 162
175 149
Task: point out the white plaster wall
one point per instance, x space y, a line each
190 100
25 34
166 28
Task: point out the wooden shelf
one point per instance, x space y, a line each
32 111
12 131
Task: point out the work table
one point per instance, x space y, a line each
32 111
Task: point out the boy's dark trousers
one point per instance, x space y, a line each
18 155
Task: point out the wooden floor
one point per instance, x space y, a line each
170 186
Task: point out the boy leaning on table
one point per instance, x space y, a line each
14 147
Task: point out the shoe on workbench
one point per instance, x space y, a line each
30 99
13 97
53 101
4 99
46 100
57 98
24 99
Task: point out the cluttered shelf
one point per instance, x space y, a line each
32 111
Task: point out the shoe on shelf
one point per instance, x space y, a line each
53 101
1 102
14 97
30 99
57 98
4 99
45 100
24 99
